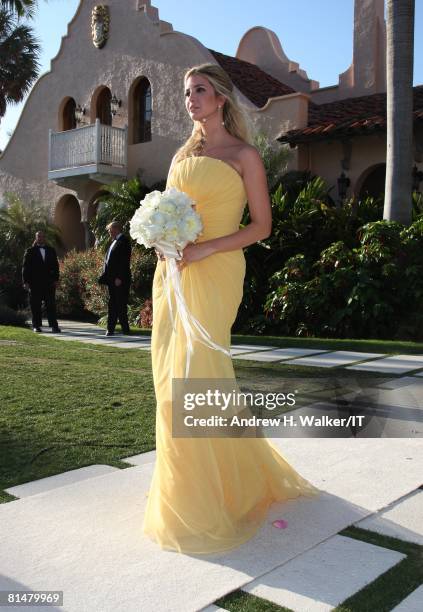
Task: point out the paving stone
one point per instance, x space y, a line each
128 345
212 608
403 520
250 348
101 518
254 347
323 577
77 536
412 603
336 358
278 354
396 364
60 480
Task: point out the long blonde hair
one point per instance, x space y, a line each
235 119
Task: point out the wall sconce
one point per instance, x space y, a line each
115 105
417 178
343 184
79 113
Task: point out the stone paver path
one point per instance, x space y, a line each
402 520
335 359
323 577
412 603
395 364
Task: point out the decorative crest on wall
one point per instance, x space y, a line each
100 22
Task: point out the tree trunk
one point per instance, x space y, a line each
399 142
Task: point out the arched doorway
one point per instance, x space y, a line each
372 182
140 108
103 108
67 217
67 119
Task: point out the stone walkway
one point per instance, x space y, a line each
80 531
371 362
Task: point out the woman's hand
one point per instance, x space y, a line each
195 252
160 255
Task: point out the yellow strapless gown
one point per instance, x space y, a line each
208 495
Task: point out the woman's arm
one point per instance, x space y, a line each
260 227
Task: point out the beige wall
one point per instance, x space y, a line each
141 45
324 159
137 45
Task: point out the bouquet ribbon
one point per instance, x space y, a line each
193 329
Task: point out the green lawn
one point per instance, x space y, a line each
66 405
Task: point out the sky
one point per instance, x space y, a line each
317 34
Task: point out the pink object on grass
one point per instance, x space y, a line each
280 524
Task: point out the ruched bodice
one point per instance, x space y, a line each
208 494
217 189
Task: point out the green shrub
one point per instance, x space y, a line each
8 316
372 291
80 295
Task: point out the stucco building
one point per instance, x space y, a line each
112 106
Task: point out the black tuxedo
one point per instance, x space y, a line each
117 264
41 276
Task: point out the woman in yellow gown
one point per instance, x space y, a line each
209 495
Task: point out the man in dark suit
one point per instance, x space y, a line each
40 275
117 276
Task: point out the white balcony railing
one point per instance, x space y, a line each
94 148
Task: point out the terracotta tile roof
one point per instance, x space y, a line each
254 83
361 115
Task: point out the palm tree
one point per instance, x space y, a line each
19 53
18 224
22 8
400 39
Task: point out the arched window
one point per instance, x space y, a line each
68 115
141 111
103 110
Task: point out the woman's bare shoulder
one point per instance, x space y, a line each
248 155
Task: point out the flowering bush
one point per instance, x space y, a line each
80 295
146 314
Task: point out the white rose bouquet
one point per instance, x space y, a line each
167 221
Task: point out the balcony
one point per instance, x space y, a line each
97 152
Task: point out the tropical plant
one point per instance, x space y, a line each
400 45
275 158
19 58
373 290
119 202
18 224
21 8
